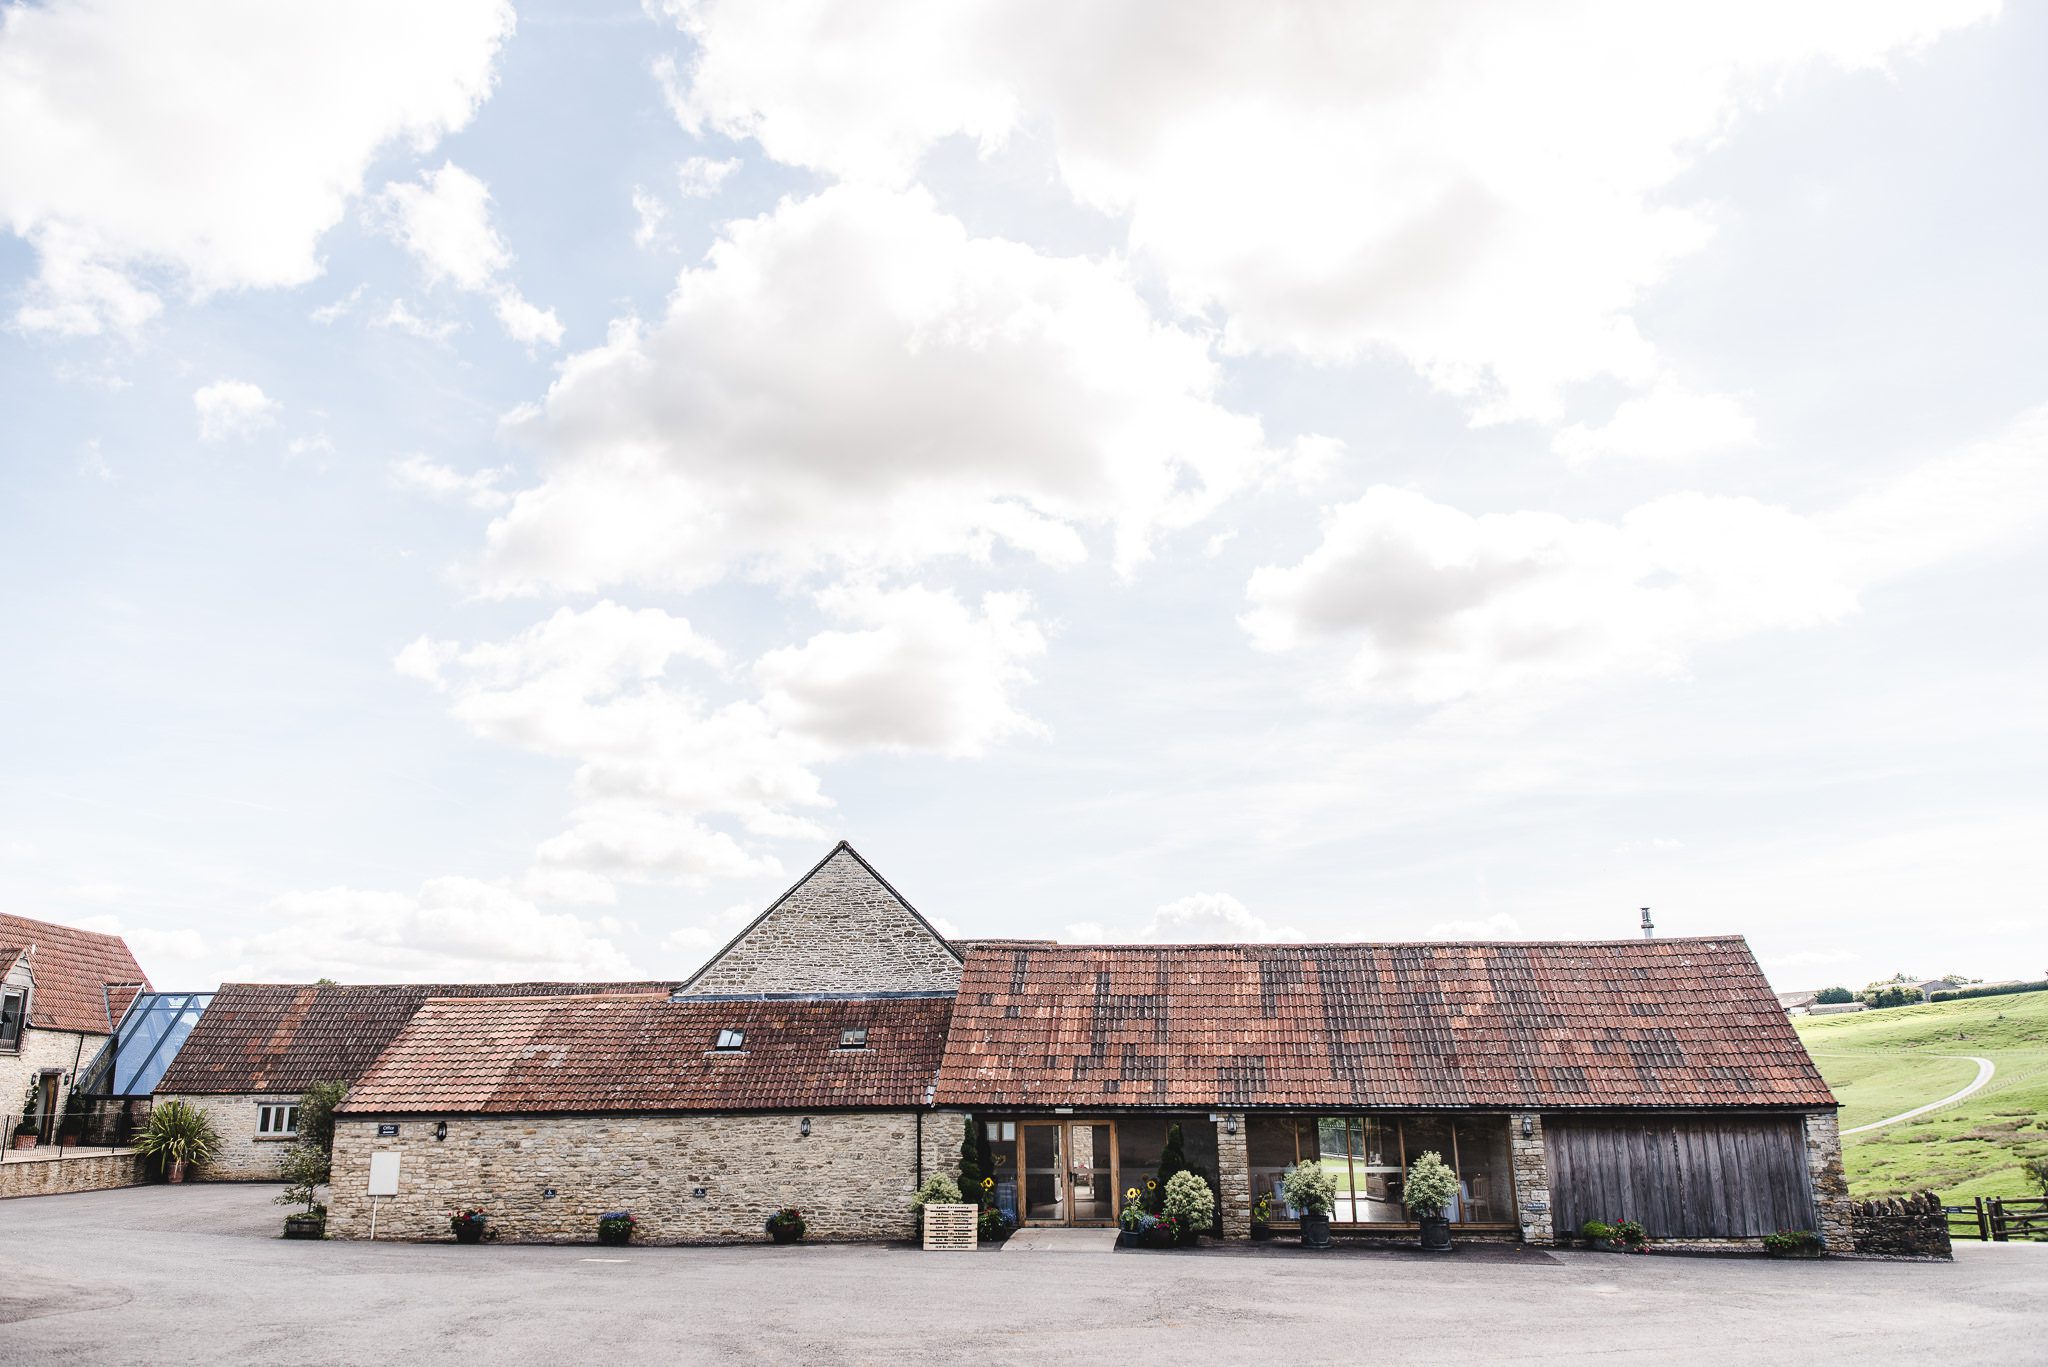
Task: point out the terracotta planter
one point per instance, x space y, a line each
25 1141
177 1172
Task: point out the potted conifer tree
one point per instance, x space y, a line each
1309 1190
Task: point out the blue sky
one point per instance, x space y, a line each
503 510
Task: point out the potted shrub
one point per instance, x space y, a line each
1631 1237
938 1190
25 1134
786 1226
994 1226
1262 1216
1794 1243
1160 1231
178 1136
468 1225
1190 1204
1132 1220
1428 1192
305 1167
1598 1234
615 1227
1309 1190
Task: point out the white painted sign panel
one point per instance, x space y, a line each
383 1174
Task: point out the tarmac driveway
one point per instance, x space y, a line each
196 1274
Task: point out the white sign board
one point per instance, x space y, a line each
383 1174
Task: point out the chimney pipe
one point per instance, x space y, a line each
1649 931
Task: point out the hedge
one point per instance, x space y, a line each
2003 991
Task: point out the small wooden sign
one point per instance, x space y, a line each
951 1228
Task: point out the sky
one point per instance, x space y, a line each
493 493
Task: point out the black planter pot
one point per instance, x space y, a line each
614 1237
786 1234
305 1226
469 1232
1436 1234
1129 1238
1315 1230
1262 1232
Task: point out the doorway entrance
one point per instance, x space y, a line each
1069 1172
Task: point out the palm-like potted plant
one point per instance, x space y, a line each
178 1136
1309 1190
1429 1191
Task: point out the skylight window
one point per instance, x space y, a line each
731 1039
854 1039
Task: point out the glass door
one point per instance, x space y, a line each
1045 1175
1092 1149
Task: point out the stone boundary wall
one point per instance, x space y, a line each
243 1156
1913 1227
852 1176
56 1176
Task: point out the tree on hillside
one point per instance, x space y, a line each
1833 996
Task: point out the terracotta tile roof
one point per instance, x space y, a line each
1668 1022
618 1054
73 970
281 1038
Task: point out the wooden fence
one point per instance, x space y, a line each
1998 1219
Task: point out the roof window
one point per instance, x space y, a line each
731 1039
856 1038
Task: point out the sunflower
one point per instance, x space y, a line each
1151 1184
988 1184
1131 1195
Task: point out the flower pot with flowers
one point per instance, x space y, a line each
1428 1192
1311 1191
1794 1243
1262 1216
615 1227
786 1226
468 1225
1191 1205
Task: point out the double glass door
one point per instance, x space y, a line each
1069 1169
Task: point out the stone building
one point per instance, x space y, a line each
62 992
258 1047
827 1058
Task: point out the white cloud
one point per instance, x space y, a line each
649 211
1668 423
1200 918
444 221
1481 189
924 673
1443 603
399 318
701 177
133 148
453 928
338 308
232 408
479 489
854 383
1499 926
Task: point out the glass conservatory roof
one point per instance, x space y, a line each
133 1061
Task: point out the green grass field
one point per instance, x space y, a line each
1880 1063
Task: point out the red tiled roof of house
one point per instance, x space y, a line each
74 972
619 1054
1668 1022
281 1038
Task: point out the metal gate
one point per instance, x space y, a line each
1683 1178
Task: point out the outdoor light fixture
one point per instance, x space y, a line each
805 1128
1528 1127
1230 1124
441 1130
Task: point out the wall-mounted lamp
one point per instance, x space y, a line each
1528 1127
1230 1124
805 1128
441 1130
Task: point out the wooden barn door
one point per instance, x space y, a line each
1684 1178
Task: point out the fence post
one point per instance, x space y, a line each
1997 1220
1983 1222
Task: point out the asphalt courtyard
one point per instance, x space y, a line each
196 1274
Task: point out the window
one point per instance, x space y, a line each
279 1121
13 1008
731 1039
854 1039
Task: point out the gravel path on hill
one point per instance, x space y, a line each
1985 1068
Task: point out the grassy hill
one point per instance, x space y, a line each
1880 1063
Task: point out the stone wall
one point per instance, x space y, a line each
840 930
243 1156
42 1050
853 1176
1910 1228
1234 1176
1831 1201
82 1172
1531 1164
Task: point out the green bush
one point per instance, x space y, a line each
178 1132
1596 1229
938 1189
305 1167
1430 1187
1189 1200
1792 1241
1172 1161
970 1164
1309 1188
2005 991
316 1114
